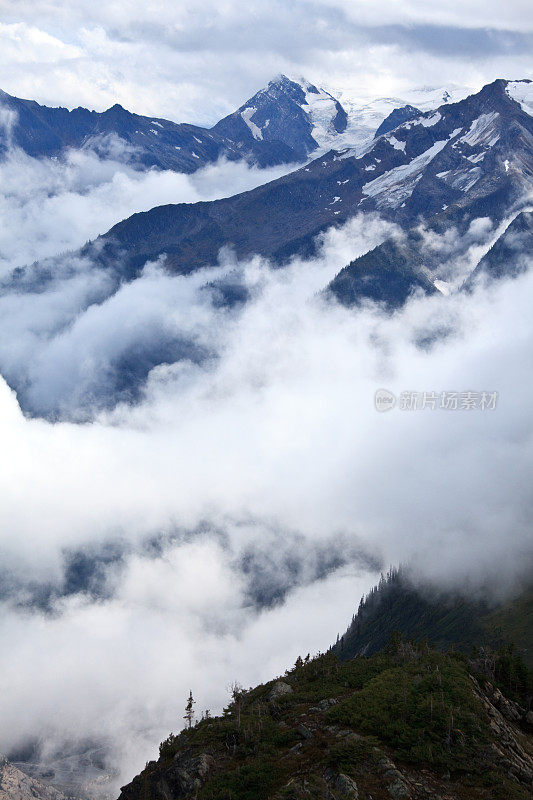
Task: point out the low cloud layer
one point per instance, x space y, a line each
266 460
50 206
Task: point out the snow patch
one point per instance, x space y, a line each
477 157
396 144
430 121
465 179
247 115
481 129
522 93
396 185
321 109
442 286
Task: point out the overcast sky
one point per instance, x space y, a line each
197 61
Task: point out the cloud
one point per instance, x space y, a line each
450 256
74 342
264 467
198 63
156 636
50 206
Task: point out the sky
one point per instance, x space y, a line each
230 520
197 62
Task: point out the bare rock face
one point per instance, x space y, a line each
342 786
304 731
279 690
183 778
15 785
397 786
508 708
503 718
323 705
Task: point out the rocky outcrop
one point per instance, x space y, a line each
279 690
292 740
182 778
342 785
504 716
15 785
396 784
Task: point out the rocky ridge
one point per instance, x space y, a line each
406 725
16 785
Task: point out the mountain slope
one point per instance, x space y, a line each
297 114
280 124
389 273
367 112
16 785
407 723
377 716
445 619
511 254
469 159
397 117
437 177
485 173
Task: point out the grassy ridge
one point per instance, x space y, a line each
411 704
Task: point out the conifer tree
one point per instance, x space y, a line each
189 711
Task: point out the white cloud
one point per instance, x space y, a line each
23 43
120 670
272 450
198 63
50 206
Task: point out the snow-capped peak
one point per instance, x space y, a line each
326 114
293 112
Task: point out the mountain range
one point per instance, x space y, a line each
448 178
446 167
281 124
442 169
424 695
